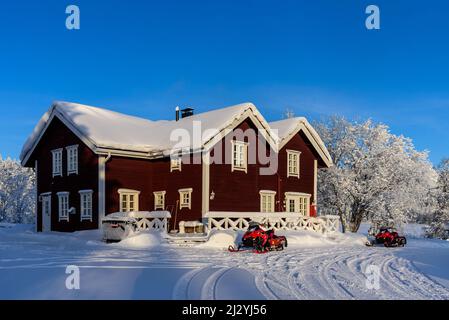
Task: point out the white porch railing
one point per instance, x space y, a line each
156 220
273 220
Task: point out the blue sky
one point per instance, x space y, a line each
146 57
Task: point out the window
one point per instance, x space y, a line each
267 200
175 164
239 156
291 205
304 206
298 202
86 204
293 163
72 160
63 198
129 200
57 162
185 198
159 200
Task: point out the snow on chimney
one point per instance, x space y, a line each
177 113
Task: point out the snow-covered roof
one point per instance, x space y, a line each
104 131
287 128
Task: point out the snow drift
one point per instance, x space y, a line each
142 240
222 239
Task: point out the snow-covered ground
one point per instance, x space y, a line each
33 266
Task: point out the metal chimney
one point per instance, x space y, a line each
177 113
187 112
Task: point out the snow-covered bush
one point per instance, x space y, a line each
142 240
440 224
377 175
17 192
222 239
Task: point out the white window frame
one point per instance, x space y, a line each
241 154
128 193
266 195
86 212
56 156
182 203
295 163
157 205
72 159
63 206
175 164
302 202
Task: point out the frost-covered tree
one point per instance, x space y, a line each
376 176
440 223
17 192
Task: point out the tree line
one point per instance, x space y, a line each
17 192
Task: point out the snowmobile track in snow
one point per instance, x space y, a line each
199 284
316 273
340 274
319 272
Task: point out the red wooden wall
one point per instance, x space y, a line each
59 136
239 191
234 191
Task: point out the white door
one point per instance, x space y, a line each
46 213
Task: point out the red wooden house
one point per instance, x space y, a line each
91 162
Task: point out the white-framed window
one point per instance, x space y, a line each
267 200
129 200
72 159
293 161
86 204
175 164
298 202
57 162
63 205
185 198
304 207
239 156
159 200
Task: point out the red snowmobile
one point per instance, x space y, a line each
260 240
388 237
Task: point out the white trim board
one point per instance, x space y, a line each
54 113
101 189
317 144
36 172
205 182
254 117
315 181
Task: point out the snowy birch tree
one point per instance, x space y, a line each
440 224
377 176
17 192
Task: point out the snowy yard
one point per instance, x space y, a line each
32 266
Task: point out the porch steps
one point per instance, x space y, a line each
187 239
